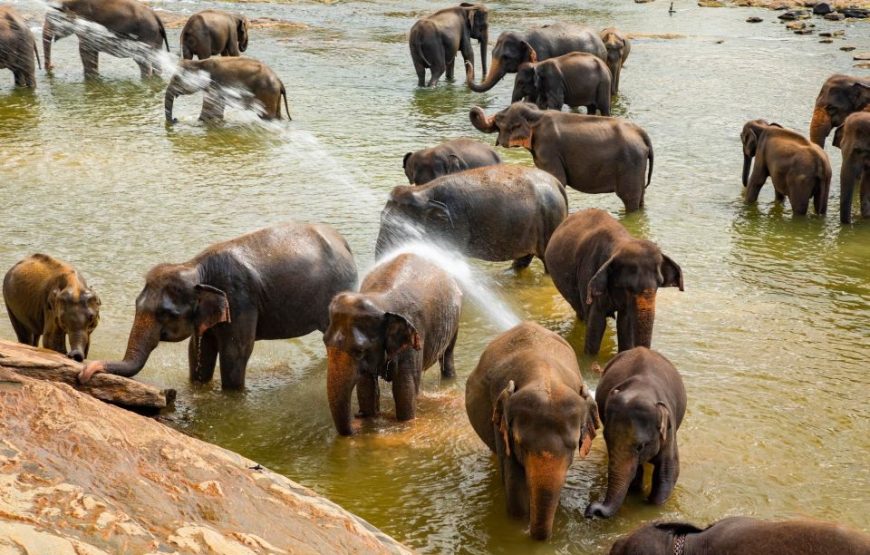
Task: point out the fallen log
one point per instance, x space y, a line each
43 364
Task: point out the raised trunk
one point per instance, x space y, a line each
545 475
340 380
496 72
747 163
144 338
619 476
848 174
645 305
480 120
820 126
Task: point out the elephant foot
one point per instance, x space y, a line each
598 510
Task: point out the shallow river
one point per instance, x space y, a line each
772 334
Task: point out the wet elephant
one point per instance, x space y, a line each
592 154
435 39
618 48
214 33
513 48
799 169
222 78
49 298
131 30
457 155
642 401
840 96
603 271
18 51
494 213
527 402
273 283
404 319
854 140
575 79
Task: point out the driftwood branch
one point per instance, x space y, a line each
48 365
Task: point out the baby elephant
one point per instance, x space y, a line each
214 32
49 298
575 79
527 402
457 155
223 78
17 48
404 319
602 270
743 536
642 402
798 168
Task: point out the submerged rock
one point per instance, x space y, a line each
754 19
835 16
858 13
795 14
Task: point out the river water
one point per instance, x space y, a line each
772 334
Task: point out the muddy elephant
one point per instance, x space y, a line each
527 402
130 29
224 78
853 139
49 298
575 79
404 319
273 283
18 51
514 48
739 535
603 271
840 96
457 155
592 154
435 40
494 213
214 33
642 401
799 169
618 48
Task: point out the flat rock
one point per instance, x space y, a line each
835 16
826 41
803 32
795 14
847 48
863 65
754 19
862 56
711 4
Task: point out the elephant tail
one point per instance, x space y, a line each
651 157
162 32
418 38
286 107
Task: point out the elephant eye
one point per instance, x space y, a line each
640 447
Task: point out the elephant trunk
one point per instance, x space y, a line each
484 38
78 345
545 474
169 100
747 163
619 476
144 337
848 174
496 72
341 375
47 39
820 126
480 120
645 314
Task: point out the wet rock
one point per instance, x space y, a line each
642 1
798 25
863 65
835 16
780 5
826 41
794 15
857 13
847 48
832 34
862 56
754 19
711 4
803 32
822 8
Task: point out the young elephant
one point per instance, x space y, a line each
592 154
17 48
494 213
618 47
575 79
404 319
840 96
798 168
49 298
273 283
527 402
214 32
602 270
220 78
435 40
853 138
457 155
642 402
743 536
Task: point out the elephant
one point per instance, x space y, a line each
854 140
537 44
527 402
739 535
840 96
435 40
18 51
457 155
221 78
575 79
273 283
494 213
592 154
404 319
134 31
799 169
602 270
642 401
47 297
214 32
618 48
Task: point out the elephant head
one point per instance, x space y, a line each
173 306
242 32
525 83
854 140
511 50
515 124
75 310
477 26
423 166
362 338
537 432
190 78
840 96
750 136
410 213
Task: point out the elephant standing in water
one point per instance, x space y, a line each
404 319
132 30
454 156
527 402
512 49
435 40
218 77
853 138
618 47
840 96
18 51
273 283
49 298
214 33
575 79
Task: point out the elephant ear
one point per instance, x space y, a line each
500 415
750 141
399 335
672 274
527 53
664 422
439 211
593 422
456 164
242 33
838 136
597 286
212 308
405 159
856 91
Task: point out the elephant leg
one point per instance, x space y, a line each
624 333
448 369
55 340
865 194
146 70
202 355
405 387
756 181
450 66
514 480
665 473
779 197
596 322
630 192
368 394
421 73
203 51
18 75
90 60
637 484
22 333
799 202
591 109
213 105
270 104
437 71
521 263
236 344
